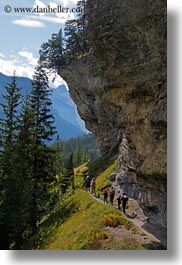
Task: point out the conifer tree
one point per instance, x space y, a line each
24 170
9 191
71 171
68 176
77 156
42 155
51 52
58 157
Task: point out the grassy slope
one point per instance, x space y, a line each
81 229
85 223
85 227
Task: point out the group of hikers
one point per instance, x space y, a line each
120 198
90 185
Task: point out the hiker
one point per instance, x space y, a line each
112 193
93 185
105 193
119 202
87 183
124 200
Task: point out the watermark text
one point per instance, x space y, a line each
41 10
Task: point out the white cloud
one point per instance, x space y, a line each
39 4
66 3
58 20
53 4
28 23
1 55
9 66
29 56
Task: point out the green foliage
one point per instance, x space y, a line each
75 35
83 148
28 189
102 179
76 232
57 53
51 52
9 190
68 176
99 164
80 173
116 219
41 103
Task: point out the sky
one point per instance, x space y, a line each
21 34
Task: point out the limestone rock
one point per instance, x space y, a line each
112 177
120 91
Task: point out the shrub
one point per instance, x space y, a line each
114 220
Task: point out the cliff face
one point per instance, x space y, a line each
120 91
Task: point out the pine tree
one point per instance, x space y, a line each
58 157
41 105
84 157
77 156
68 176
71 171
51 52
24 171
9 190
56 52
42 155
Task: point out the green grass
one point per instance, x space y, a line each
78 230
102 180
85 227
100 164
80 222
80 173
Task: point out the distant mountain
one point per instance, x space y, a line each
67 120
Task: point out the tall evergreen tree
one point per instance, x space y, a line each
68 176
9 190
77 156
42 156
58 157
24 171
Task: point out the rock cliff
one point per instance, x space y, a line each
120 92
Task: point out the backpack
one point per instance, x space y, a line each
125 198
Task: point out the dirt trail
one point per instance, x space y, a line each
151 233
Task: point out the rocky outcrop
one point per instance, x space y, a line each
120 91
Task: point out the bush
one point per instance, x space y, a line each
114 220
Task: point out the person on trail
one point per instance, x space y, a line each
87 183
105 193
119 202
93 186
112 193
124 199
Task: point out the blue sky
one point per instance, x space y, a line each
22 33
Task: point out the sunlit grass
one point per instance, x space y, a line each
102 180
76 232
